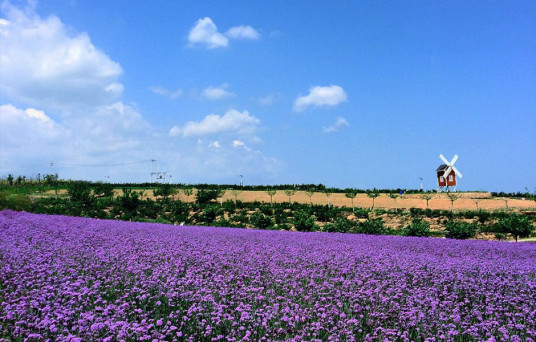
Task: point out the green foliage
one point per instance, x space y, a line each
417 227
500 236
80 192
323 213
259 220
103 190
515 224
210 213
460 230
206 196
303 221
129 203
373 227
18 202
340 225
165 190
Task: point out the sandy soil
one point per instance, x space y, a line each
467 200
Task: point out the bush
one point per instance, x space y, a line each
259 220
206 196
341 225
303 221
460 230
373 227
515 224
210 213
418 227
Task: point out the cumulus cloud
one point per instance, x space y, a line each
232 121
45 65
170 94
216 93
319 96
206 33
61 101
337 126
242 32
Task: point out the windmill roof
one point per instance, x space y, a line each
442 167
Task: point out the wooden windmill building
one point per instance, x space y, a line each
445 175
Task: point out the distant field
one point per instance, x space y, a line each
468 201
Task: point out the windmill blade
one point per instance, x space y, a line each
444 159
447 171
458 173
454 159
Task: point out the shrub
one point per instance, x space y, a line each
341 225
460 230
210 213
417 227
373 227
303 221
259 220
515 224
206 196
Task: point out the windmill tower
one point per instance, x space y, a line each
445 175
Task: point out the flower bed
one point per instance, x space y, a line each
76 279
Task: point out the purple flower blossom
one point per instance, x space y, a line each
75 279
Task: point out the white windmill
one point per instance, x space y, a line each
445 176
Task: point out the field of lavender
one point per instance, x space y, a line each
77 279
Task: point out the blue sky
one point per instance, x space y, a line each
344 93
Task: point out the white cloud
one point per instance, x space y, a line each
206 33
171 94
215 144
337 125
268 100
242 32
62 101
45 65
238 143
216 93
232 121
329 96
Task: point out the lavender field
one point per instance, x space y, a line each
76 279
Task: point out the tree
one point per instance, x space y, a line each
515 224
188 192
303 221
373 194
235 193
271 193
103 189
394 196
351 194
373 227
10 179
452 197
206 196
310 193
165 190
460 230
328 192
418 227
289 193
259 220
220 196
52 180
427 197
